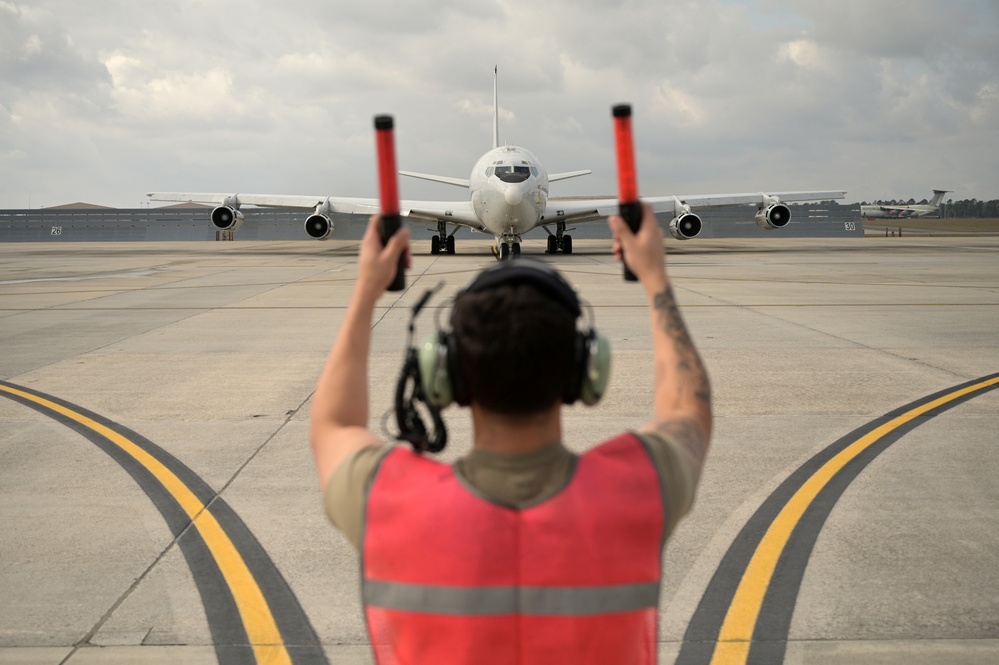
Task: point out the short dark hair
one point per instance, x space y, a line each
515 348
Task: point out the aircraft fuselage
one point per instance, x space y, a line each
509 191
906 212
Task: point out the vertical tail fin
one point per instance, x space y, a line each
495 107
938 196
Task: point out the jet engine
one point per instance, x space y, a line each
685 226
773 215
227 217
319 225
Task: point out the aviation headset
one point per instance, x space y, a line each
430 373
439 353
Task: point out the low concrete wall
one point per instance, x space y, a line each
152 224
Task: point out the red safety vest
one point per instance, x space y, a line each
450 577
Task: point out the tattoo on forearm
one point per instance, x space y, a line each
691 374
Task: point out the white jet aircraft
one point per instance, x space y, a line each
508 189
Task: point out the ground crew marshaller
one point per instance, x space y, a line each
521 551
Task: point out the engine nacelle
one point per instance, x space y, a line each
685 226
227 218
319 226
774 216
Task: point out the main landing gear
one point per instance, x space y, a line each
559 240
442 241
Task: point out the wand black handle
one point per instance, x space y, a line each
387 226
632 215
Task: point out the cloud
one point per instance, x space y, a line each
38 56
804 53
200 95
105 101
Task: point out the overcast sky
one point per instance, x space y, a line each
102 101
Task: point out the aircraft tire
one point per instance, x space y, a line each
567 244
515 248
435 245
450 244
552 245
504 251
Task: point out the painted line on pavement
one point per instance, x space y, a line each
252 613
745 612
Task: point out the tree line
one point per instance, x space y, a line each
953 209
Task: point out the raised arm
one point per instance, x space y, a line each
682 389
339 417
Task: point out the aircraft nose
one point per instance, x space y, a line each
513 195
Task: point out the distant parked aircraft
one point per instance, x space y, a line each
931 209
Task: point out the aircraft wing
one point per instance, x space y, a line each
454 212
582 210
759 198
265 200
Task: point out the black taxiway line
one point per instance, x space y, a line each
211 539
744 620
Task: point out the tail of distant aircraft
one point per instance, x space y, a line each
938 196
495 106
462 182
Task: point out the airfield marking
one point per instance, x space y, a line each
238 583
780 537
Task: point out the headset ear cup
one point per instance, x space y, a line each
596 368
458 390
434 371
576 373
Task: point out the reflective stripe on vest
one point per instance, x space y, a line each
450 577
568 601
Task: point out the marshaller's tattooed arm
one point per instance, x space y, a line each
692 375
683 390
682 398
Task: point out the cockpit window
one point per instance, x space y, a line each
513 173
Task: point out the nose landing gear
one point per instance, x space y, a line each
509 250
507 247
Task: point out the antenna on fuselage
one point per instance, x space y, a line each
495 107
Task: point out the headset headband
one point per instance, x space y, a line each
539 274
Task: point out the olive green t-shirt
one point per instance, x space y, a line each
513 480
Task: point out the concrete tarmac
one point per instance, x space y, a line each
205 355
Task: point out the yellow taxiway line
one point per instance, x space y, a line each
258 620
736 634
